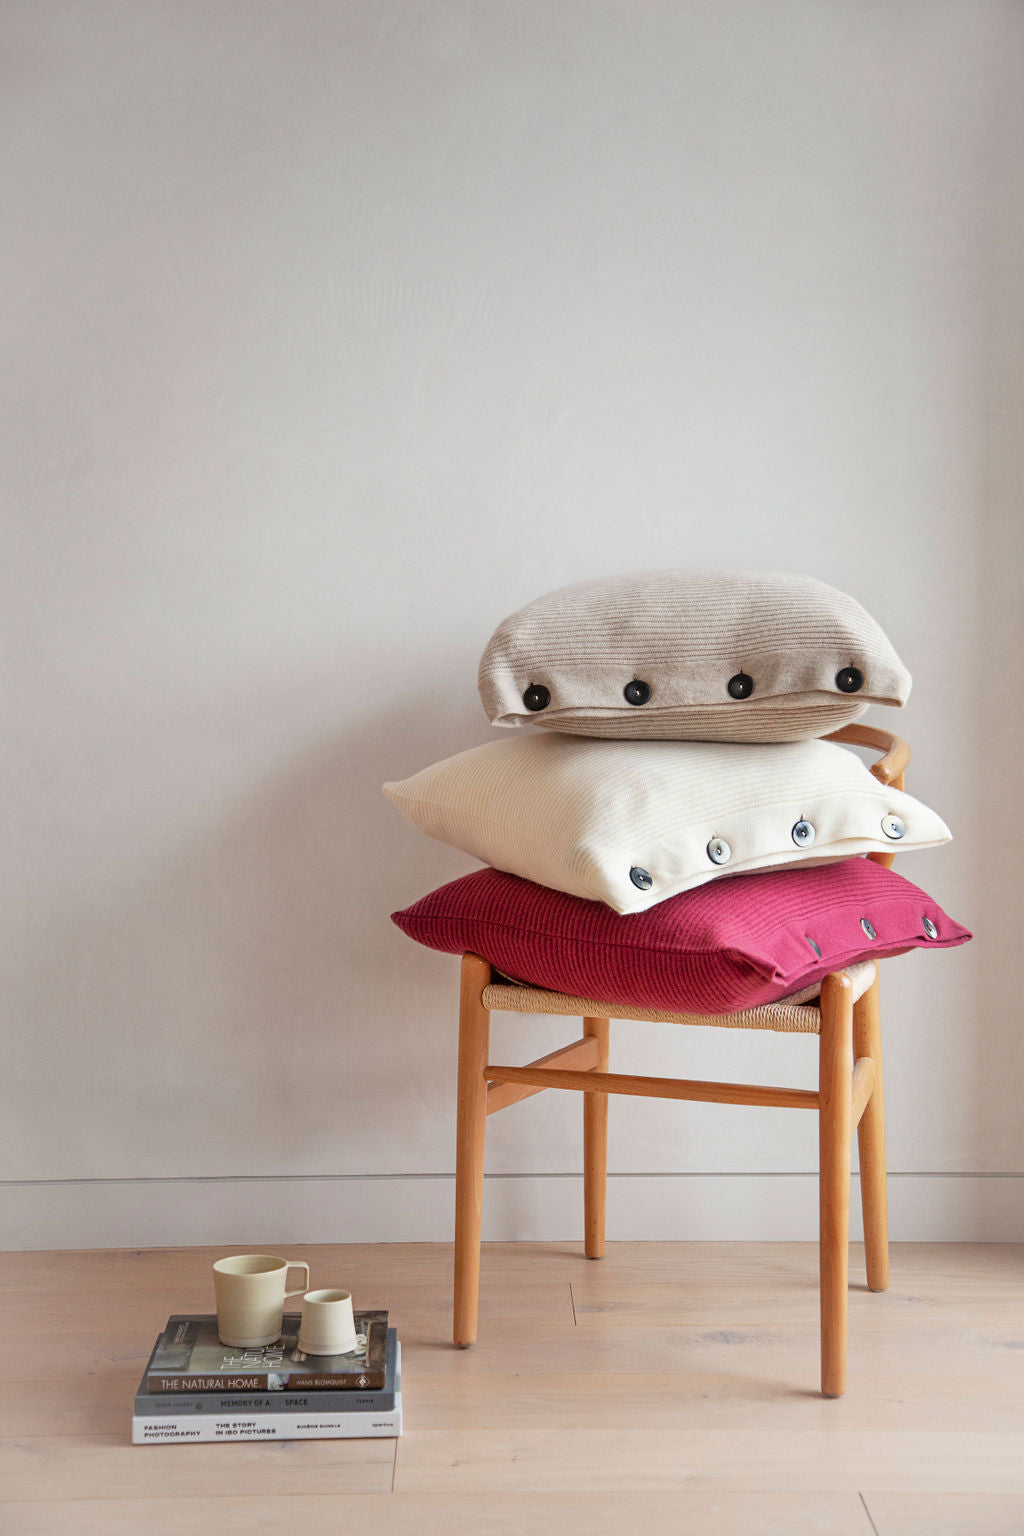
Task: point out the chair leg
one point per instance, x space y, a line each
835 1132
474 1036
595 1149
867 1041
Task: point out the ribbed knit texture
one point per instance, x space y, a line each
686 634
728 946
578 815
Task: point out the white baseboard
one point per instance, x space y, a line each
142 1213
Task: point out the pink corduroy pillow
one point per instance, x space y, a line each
730 945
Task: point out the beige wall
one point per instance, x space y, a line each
333 332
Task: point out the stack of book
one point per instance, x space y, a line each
196 1388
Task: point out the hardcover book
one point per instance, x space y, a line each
189 1358
200 1428
322 1400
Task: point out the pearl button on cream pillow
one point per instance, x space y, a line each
630 823
691 656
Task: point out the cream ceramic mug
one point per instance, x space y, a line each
250 1291
328 1326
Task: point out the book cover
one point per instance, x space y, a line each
321 1401
189 1358
207 1428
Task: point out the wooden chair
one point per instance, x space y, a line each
849 1094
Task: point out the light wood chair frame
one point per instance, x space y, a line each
849 1095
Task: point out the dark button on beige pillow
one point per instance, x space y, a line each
691 656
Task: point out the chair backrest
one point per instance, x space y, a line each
891 767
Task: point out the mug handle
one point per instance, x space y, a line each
298 1264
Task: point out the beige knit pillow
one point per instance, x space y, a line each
632 822
691 656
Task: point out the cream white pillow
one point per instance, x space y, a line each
630 823
691 656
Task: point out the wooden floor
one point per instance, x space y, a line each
669 1387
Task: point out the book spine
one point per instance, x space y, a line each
188 1386
276 1402
161 1429
191 1384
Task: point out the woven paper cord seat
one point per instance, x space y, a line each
790 1015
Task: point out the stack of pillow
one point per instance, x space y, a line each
677 837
